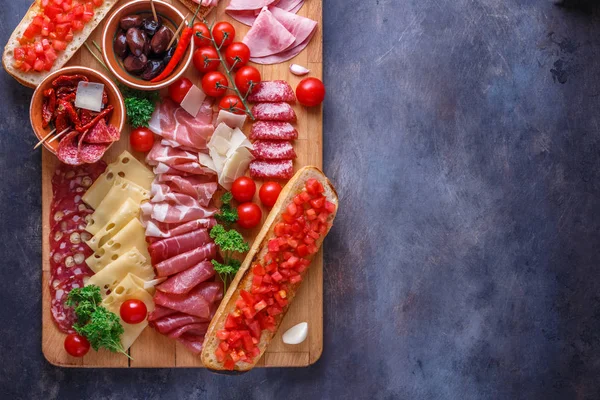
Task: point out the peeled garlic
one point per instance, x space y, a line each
296 334
298 70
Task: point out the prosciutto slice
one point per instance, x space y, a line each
268 36
168 155
175 320
193 168
175 124
186 280
202 187
160 313
191 329
170 247
160 230
183 261
191 342
162 192
175 213
193 303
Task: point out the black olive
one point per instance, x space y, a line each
151 26
130 21
136 40
169 54
135 64
161 40
120 44
153 68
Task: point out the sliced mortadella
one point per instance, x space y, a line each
268 36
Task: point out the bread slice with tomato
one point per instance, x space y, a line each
257 265
33 78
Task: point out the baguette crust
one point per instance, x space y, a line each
243 279
34 78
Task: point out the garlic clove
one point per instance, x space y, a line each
296 334
298 70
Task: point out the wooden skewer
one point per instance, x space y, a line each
177 32
44 139
153 10
59 135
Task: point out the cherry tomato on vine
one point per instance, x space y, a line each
232 103
237 53
179 88
77 345
269 192
249 215
133 311
310 92
206 59
244 77
203 30
214 83
243 189
224 33
141 139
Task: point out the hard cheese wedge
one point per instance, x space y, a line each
132 236
131 262
126 166
121 190
130 287
128 211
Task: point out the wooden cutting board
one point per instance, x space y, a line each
155 350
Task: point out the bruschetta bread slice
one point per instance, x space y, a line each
243 280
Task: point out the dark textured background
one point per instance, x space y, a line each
464 139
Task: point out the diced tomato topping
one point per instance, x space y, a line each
229 364
220 354
276 276
97 3
287 217
59 45
273 245
329 207
222 334
318 202
260 305
313 186
295 279
230 322
78 26
224 346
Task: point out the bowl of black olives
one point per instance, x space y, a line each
137 47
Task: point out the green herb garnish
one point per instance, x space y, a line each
139 105
228 214
229 242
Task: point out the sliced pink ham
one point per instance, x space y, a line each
170 247
272 92
186 280
236 5
160 313
161 230
175 320
283 169
175 213
186 260
272 130
267 36
198 329
202 187
282 112
247 17
273 150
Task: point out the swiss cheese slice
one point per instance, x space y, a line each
118 193
130 287
126 166
133 235
131 262
128 211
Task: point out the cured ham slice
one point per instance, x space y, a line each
193 303
191 329
170 247
273 150
170 213
186 260
271 130
268 36
160 313
272 92
202 187
175 320
186 280
300 27
162 192
169 155
282 112
160 230
236 5
193 168
192 343
175 124
283 169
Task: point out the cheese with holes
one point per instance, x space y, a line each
133 235
130 262
130 287
126 166
121 190
128 211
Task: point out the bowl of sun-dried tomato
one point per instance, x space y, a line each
71 99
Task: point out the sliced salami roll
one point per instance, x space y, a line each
274 112
63 316
273 150
272 92
283 169
68 151
271 130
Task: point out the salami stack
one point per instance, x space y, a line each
68 251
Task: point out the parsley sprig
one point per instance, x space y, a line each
228 214
139 105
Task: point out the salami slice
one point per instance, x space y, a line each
102 133
273 150
271 130
67 149
283 169
91 153
274 112
63 316
272 92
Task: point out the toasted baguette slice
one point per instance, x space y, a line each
192 6
34 78
243 279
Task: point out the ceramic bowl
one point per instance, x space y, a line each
117 117
170 17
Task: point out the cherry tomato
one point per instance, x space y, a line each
203 30
133 311
246 76
232 104
249 215
269 192
224 33
206 59
243 189
141 139
310 92
214 84
76 345
237 53
179 88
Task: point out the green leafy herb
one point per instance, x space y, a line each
139 105
101 327
229 242
228 214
